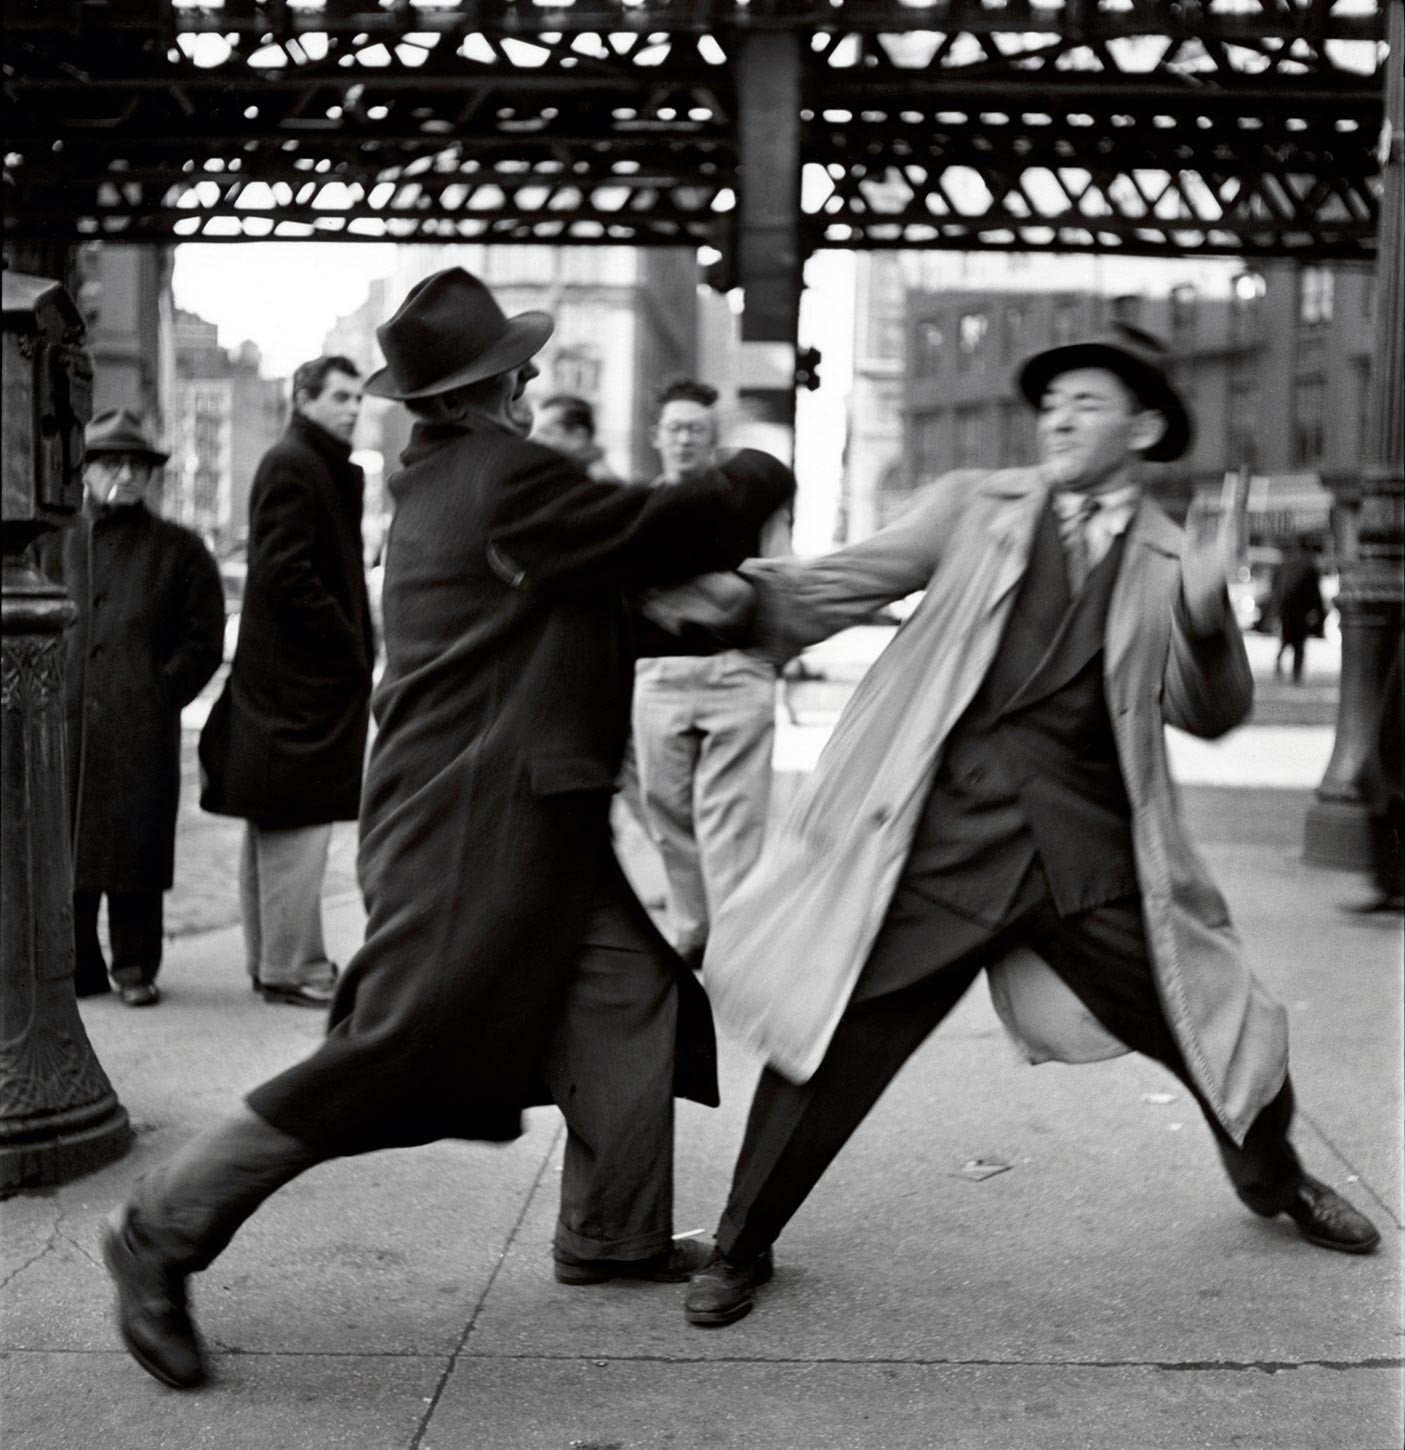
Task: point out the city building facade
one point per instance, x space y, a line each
1275 370
226 416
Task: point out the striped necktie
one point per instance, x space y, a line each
1075 511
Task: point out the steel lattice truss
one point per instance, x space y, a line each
1145 126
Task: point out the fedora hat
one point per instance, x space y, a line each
1139 359
450 331
119 430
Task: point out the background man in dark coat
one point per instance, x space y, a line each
1297 601
286 741
506 960
148 637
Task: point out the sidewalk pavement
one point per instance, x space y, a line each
1104 1290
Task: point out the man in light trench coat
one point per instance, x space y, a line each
999 784
506 962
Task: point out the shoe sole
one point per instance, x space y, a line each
1365 1247
288 999
133 1347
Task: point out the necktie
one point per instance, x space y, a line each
1075 512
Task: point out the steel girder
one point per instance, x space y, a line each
1143 126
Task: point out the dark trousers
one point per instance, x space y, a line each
795 1131
134 929
610 1070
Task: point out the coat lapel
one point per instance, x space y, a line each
1152 554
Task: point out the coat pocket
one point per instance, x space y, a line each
558 773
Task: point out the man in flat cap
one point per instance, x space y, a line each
998 785
148 637
506 962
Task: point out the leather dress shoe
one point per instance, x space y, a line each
141 994
1323 1217
720 1292
297 995
152 1312
672 1266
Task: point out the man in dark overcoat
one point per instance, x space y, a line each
285 743
506 961
148 637
1297 604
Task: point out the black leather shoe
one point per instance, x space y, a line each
673 1266
720 1292
1323 1218
297 996
141 994
152 1312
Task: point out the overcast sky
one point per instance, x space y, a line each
284 296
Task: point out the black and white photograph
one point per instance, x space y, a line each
702 725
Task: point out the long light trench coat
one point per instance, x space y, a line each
787 947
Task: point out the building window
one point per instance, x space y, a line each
1127 309
929 434
927 343
1012 324
576 370
1249 289
1309 418
1315 296
971 331
969 440
1065 320
1242 440
1183 311
1013 443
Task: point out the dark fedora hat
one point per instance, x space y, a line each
119 430
1139 359
450 331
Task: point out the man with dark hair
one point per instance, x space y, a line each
996 796
284 745
567 424
148 636
506 962
704 728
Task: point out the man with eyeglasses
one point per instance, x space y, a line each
704 726
148 636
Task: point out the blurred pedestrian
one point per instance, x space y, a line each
148 637
998 785
567 424
704 727
285 743
1297 602
506 962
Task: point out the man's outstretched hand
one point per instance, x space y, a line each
1206 563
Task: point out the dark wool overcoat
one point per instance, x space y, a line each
285 742
502 717
148 637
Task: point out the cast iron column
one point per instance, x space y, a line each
768 231
59 1116
1372 540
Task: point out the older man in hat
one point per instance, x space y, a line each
506 962
148 637
996 796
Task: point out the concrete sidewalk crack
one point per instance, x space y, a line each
1192 1366
417 1439
50 1242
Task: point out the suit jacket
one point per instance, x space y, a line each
787 947
502 716
286 740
